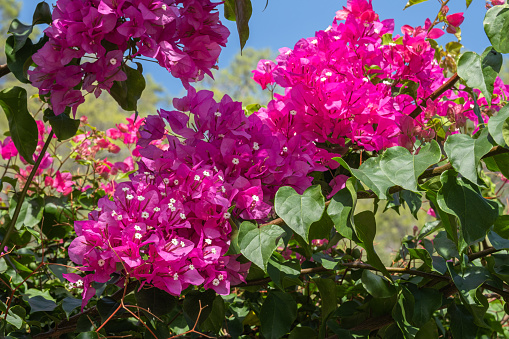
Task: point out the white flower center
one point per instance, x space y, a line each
226 215
220 277
293 112
256 146
144 215
191 267
140 198
113 61
208 241
176 182
129 197
176 276
166 181
174 242
137 235
79 283
235 161
100 262
137 228
255 198
125 189
197 178
215 282
182 216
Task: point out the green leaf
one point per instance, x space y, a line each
31 211
16 60
192 303
328 296
16 316
127 93
501 226
496 26
69 304
42 14
300 211
465 153
444 246
480 71
460 197
88 335
428 331
505 131
426 302
496 123
39 303
155 300
421 254
278 312
468 3
497 241
413 201
365 225
403 313
376 285
303 332
413 2
243 11
498 163
22 126
250 109
63 125
217 316
229 10
258 243
341 209
20 32
283 272
371 175
405 168
462 322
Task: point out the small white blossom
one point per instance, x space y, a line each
226 215
182 216
366 24
145 215
323 79
151 177
208 241
119 217
100 262
170 205
285 149
220 135
215 282
220 277
196 177
174 242
217 114
255 198
166 181
175 182
164 7
98 209
163 194
156 209
79 283
125 189
182 244
365 79
176 276
314 42
387 83
137 228
140 197
191 267
206 173
172 208
223 189
213 251
113 61
256 146
129 197
113 213
288 52
220 177
293 112
235 161
377 31
137 235
329 73
336 37
172 200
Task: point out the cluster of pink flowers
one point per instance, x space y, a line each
84 150
355 85
170 226
184 36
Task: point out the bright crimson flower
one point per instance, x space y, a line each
455 19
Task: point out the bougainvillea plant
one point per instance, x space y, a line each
204 219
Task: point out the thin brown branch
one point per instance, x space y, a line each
433 96
4 70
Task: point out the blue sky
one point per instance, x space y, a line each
284 22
